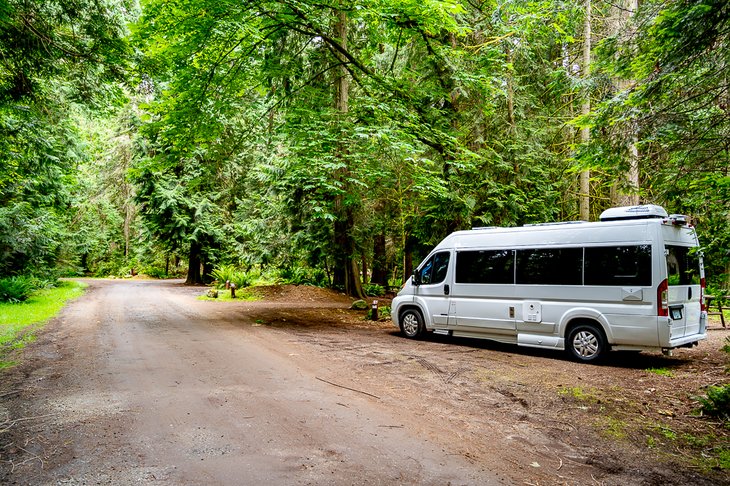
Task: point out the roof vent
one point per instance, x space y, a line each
647 211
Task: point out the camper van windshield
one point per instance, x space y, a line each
683 265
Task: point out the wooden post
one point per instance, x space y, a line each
374 308
233 290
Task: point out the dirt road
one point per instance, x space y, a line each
139 382
142 383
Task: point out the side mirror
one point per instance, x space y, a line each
416 278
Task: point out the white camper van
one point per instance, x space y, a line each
633 281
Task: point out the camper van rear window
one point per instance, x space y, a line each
618 265
683 265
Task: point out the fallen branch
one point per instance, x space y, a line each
8 424
348 388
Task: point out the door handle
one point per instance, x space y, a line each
689 293
446 289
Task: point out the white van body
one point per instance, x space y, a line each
633 281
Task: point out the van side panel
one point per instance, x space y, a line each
484 307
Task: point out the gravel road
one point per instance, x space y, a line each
138 382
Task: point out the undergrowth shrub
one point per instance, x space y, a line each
229 273
304 276
154 272
16 289
717 402
374 290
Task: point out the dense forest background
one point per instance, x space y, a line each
335 143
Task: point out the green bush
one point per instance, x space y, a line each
717 402
229 273
304 276
383 313
154 272
16 289
223 274
374 290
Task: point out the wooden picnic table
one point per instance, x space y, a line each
718 300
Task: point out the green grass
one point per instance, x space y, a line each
16 320
661 372
579 394
612 427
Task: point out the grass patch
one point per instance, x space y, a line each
661 372
612 427
579 394
17 319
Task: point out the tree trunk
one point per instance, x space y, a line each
584 197
407 262
207 272
379 271
364 268
194 276
627 192
345 272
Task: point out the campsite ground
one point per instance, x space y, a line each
139 381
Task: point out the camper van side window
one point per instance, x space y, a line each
550 266
618 265
485 267
434 270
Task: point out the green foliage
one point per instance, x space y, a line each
675 56
716 403
295 275
155 272
17 318
231 274
60 57
723 458
237 145
374 290
15 289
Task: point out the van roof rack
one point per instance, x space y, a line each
555 223
646 211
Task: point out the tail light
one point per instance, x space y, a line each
662 297
702 295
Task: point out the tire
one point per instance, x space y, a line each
411 323
586 343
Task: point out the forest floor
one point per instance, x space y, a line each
140 382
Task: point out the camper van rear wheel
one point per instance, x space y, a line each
411 323
586 342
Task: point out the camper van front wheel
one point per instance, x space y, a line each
411 323
586 342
